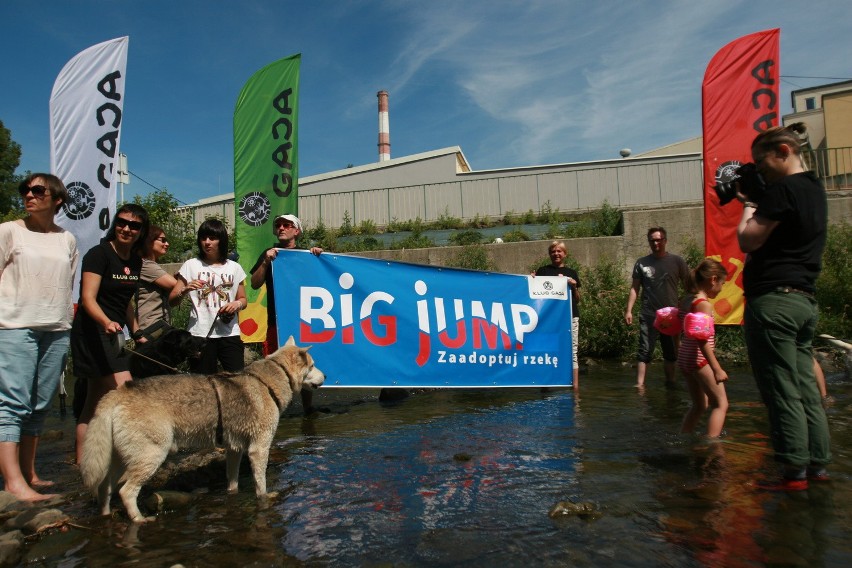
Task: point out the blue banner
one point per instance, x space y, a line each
378 323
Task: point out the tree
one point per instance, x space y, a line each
163 211
10 158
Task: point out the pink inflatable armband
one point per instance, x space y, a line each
667 321
698 325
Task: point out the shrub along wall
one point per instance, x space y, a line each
604 264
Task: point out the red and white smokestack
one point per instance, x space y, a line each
384 127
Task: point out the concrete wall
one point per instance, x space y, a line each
683 225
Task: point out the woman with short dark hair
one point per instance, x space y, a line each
216 288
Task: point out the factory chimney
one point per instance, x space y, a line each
384 127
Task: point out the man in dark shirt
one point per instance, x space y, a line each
287 228
658 276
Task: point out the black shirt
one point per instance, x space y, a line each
270 289
551 270
791 255
119 279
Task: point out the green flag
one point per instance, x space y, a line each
266 171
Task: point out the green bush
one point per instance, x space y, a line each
548 215
447 221
834 286
606 221
467 237
397 226
472 257
510 218
692 253
480 222
366 227
579 229
516 235
603 295
345 228
415 240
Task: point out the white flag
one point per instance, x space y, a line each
85 131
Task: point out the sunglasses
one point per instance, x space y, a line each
284 224
37 191
121 222
162 239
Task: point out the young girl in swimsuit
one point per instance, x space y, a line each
704 376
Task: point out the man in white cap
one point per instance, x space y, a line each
287 228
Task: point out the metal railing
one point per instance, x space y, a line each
832 165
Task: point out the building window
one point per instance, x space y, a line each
810 103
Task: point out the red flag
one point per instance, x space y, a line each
739 99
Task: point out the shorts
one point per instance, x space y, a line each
31 366
97 355
648 336
229 351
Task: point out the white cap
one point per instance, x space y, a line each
292 218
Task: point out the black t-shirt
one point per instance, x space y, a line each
791 255
119 279
551 270
270 289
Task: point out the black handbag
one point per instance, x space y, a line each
154 331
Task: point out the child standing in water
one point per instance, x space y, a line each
696 358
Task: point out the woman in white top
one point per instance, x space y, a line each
38 261
216 287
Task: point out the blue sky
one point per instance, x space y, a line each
513 83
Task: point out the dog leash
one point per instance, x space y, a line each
160 363
122 347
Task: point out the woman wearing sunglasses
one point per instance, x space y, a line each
37 264
155 284
110 275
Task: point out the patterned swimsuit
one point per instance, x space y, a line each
689 356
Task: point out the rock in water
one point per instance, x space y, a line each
563 509
160 501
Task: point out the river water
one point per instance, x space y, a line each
464 477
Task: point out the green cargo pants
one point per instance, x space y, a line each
779 328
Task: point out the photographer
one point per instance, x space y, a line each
783 230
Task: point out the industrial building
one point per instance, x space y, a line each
442 182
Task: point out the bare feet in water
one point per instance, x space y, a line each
26 493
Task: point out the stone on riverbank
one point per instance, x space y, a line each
11 548
33 521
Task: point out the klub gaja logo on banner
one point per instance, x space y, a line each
377 323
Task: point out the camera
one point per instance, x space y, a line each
746 180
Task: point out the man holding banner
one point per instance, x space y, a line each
287 228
